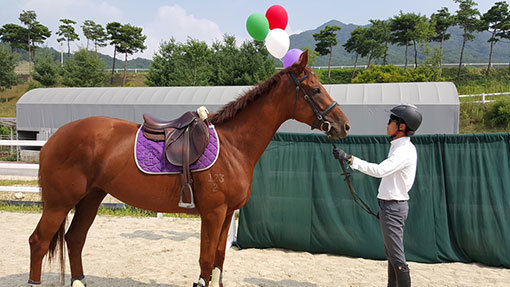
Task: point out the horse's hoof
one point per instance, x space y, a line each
31 283
78 282
216 277
201 283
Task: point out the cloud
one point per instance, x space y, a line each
174 21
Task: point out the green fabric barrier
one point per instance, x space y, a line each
459 208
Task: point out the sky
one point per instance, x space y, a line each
208 20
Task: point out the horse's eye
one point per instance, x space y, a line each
316 91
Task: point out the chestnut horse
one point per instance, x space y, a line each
87 159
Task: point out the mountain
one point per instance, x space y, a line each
476 51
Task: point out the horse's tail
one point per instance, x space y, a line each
57 247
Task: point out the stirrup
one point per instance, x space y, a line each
31 283
184 204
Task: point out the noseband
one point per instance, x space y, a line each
320 116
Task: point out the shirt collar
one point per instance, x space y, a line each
400 141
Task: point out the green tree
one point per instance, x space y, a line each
326 39
195 69
14 35
131 41
255 63
25 38
39 34
381 32
407 28
84 69
495 20
7 64
95 33
28 18
179 64
422 33
441 21
162 71
193 63
468 19
505 33
375 42
355 44
114 31
224 61
67 33
46 70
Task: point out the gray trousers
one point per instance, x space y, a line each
392 218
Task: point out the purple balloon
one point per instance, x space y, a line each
291 57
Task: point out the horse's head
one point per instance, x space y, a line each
313 105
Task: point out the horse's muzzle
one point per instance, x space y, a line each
337 131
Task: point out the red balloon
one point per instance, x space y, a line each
277 17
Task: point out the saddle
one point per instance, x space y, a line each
185 140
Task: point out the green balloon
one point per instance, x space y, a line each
257 26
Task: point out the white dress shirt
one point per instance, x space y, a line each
397 171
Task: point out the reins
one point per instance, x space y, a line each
326 127
354 194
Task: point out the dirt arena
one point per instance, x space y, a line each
124 251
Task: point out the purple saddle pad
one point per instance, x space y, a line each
150 157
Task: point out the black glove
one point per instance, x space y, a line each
340 154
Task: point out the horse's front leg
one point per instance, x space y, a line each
212 224
219 258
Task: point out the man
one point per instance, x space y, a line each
397 172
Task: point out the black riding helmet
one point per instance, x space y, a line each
409 114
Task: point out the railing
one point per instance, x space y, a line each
121 70
411 65
484 95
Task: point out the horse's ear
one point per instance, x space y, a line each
303 60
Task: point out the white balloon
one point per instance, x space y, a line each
277 42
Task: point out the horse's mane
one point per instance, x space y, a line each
231 109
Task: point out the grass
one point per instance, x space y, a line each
8 99
121 212
8 182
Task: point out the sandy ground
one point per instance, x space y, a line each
125 251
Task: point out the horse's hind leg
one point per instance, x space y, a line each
84 216
51 222
219 258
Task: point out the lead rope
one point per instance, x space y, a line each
354 194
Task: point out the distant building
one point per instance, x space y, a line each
40 112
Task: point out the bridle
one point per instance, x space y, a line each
320 116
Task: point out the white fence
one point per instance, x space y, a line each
484 99
412 65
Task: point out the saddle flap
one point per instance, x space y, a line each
175 150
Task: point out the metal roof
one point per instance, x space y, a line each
345 94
